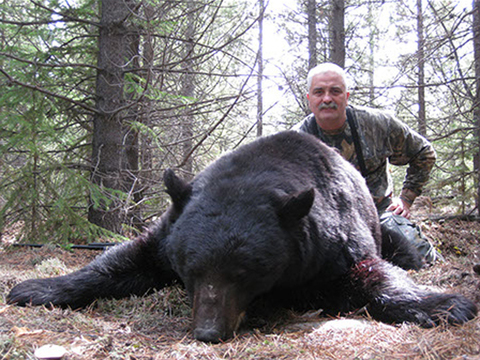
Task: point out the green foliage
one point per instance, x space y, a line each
48 57
43 173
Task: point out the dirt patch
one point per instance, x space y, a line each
157 326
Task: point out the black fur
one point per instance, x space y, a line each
284 218
397 249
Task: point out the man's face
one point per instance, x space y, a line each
328 98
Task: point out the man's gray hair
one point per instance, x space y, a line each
323 68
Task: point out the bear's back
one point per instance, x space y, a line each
287 161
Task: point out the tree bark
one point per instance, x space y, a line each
188 91
114 143
261 5
312 33
422 121
371 45
145 147
337 26
476 104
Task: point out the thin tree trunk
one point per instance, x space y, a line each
422 121
476 105
261 5
145 149
114 147
371 44
188 90
337 26
312 33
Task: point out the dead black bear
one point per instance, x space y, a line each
284 215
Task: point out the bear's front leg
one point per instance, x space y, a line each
133 268
74 290
391 296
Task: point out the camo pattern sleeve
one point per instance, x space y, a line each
385 137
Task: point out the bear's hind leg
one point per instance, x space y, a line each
391 296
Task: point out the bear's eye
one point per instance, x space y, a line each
239 274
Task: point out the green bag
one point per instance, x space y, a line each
412 233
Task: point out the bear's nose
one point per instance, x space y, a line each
207 335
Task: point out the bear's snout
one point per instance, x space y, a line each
210 335
216 311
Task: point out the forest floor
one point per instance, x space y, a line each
157 326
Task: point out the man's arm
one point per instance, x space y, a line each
412 149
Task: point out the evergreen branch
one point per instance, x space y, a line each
13 81
453 132
30 23
39 64
65 17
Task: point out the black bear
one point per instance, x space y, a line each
283 218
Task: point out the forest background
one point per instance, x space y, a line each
98 98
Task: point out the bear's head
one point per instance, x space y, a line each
229 246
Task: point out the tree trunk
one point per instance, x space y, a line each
422 121
312 33
261 5
188 91
145 149
337 26
114 144
371 45
476 105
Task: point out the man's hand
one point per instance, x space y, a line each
399 207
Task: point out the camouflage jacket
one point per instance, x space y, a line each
384 140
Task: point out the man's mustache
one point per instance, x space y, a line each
327 106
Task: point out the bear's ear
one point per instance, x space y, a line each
295 207
178 189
